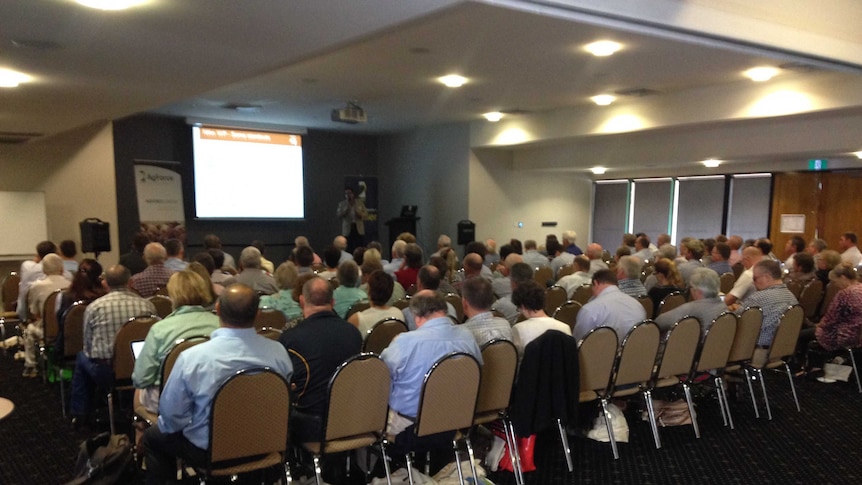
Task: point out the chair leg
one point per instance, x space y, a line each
288 479
855 369
719 382
457 462
317 474
763 388
610 427
691 410
472 460
652 421
751 393
427 463
565 442
111 412
385 462
792 386
514 454
409 468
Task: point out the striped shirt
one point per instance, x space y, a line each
104 317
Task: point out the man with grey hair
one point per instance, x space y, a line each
411 355
397 258
341 243
705 304
628 276
518 273
594 252
773 298
52 267
251 274
692 250
156 276
477 296
532 256
568 243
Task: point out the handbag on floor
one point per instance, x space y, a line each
103 460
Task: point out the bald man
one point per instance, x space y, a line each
744 285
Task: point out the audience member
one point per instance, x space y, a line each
251 274
629 276
519 273
559 257
667 280
841 324
849 251
532 256
692 250
397 258
477 297
347 293
176 252
68 251
794 245
340 242
827 261
609 307
744 285
321 341
529 297
580 277
594 252
211 241
428 278
52 268
705 305
380 287
134 259
735 243
86 286
156 275
568 243
802 270
283 301
719 261
265 264
184 407
412 262
331 258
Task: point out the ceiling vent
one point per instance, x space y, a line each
636 92
798 67
352 114
16 137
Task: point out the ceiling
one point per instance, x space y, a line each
293 62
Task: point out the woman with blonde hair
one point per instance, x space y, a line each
668 280
190 295
285 278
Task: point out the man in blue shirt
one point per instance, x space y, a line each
184 406
411 355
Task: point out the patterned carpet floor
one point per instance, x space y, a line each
818 445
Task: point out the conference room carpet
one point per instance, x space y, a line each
818 445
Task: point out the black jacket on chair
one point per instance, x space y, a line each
548 384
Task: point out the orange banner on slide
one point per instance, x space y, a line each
229 134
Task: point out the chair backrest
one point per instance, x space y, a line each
810 297
568 313
162 291
132 331
680 348
583 294
170 359
648 269
670 302
596 354
726 281
441 407
382 333
237 432
566 271
164 305
747 330
646 301
717 341
358 398
542 275
269 318
794 287
270 333
357 307
737 269
554 297
637 355
831 290
455 300
787 333
499 366
401 304
49 317
10 291
333 282
73 329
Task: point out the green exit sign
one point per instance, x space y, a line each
817 164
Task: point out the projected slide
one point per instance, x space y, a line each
243 174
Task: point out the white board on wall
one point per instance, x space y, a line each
23 223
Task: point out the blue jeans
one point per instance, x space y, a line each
89 375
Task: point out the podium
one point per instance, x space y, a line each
397 225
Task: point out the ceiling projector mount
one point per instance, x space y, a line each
352 113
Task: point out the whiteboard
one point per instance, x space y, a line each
23 222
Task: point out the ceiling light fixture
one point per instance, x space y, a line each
598 170
11 79
761 74
858 154
711 163
453 80
493 116
603 48
603 99
110 4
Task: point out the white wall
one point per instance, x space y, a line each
501 197
76 172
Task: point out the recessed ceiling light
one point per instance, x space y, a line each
110 4
603 99
11 79
858 154
761 74
453 80
603 48
598 170
493 116
711 163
